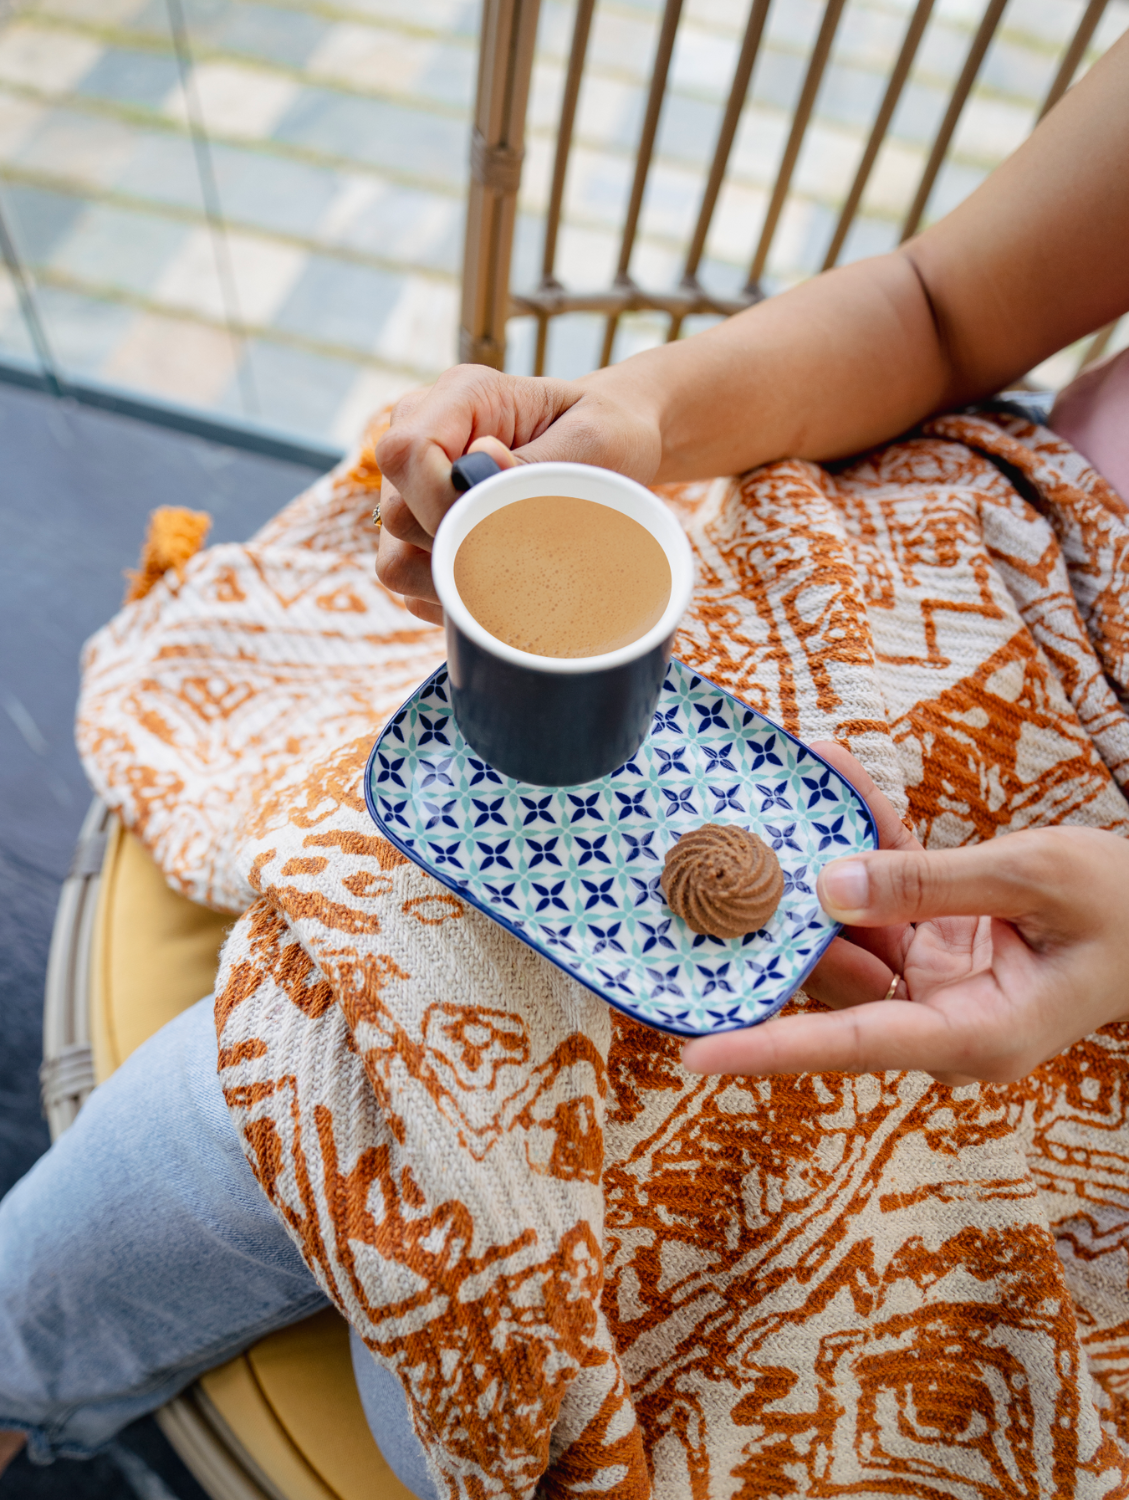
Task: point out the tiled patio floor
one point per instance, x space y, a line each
339 144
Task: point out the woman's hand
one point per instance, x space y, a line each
1005 954
604 419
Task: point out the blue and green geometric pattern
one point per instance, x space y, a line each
574 871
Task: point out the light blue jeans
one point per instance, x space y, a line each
140 1251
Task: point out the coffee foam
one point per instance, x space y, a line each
558 576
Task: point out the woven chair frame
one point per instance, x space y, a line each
509 29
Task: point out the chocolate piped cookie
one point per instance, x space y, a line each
722 880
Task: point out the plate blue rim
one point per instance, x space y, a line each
463 891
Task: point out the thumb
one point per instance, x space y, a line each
1021 876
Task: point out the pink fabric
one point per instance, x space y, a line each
1092 414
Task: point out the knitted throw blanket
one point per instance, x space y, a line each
593 1273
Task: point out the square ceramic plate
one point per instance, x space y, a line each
574 871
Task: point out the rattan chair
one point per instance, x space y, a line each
506 61
284 1420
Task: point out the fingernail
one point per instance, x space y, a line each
844 887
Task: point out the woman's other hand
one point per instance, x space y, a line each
604 419
1005 954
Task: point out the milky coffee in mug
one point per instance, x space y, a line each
555 575
562 586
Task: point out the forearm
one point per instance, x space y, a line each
842 362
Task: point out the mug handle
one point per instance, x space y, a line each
472 469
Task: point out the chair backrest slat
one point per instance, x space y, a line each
738 93
804 106
980 43
1073 54
581 30
505 65
914 32
672 11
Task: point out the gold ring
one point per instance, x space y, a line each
376 521
889 995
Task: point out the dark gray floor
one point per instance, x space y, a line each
76 488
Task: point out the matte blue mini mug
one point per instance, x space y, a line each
556 720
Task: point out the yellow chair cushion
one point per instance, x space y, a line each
155 952
292 1403
291 1400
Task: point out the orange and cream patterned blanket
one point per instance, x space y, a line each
593 1273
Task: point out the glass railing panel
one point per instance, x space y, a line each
293 259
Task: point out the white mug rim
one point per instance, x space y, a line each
586 482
